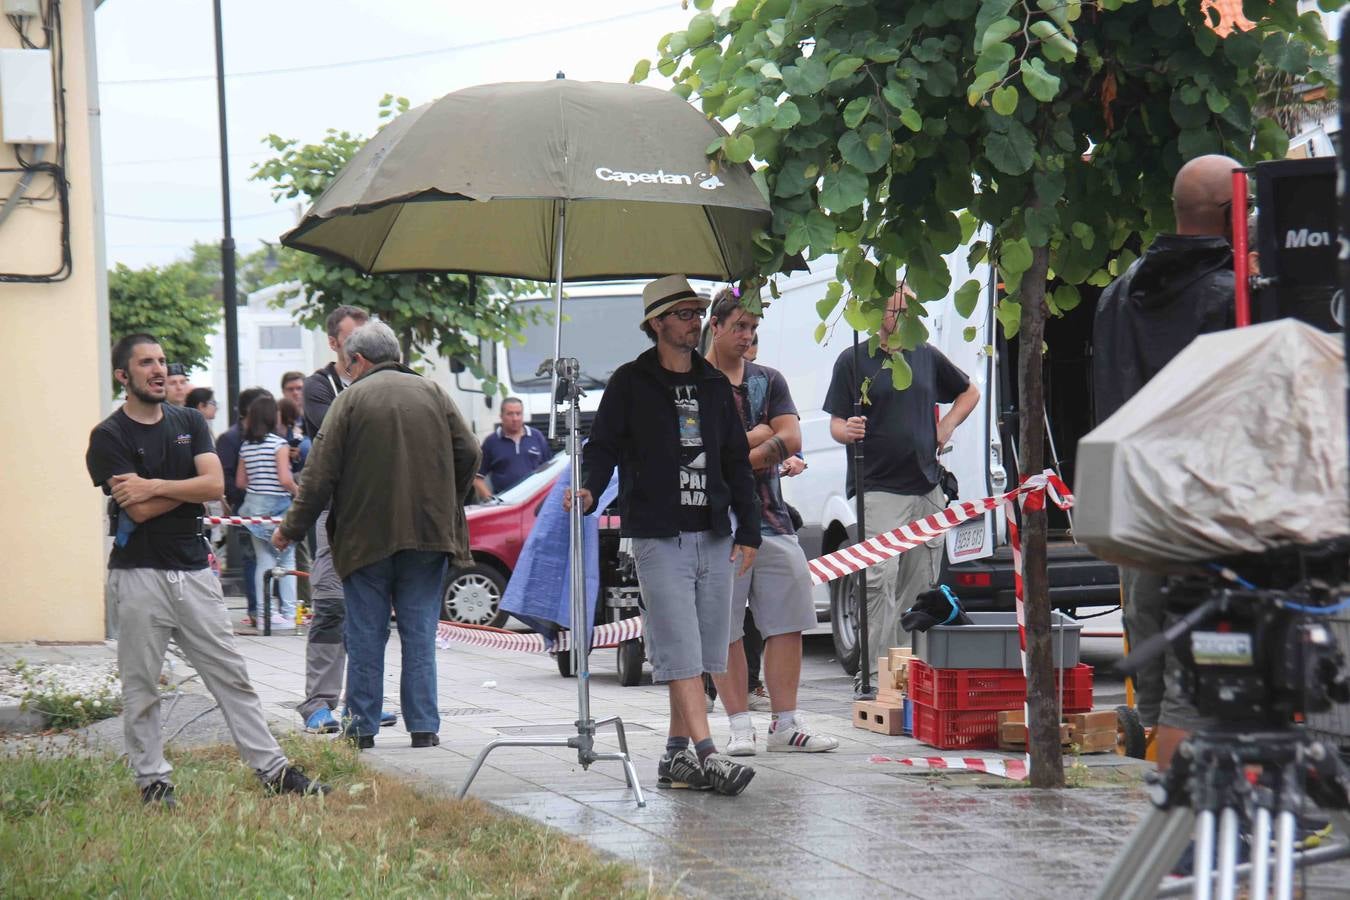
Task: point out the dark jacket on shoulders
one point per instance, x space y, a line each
321 389
1180 288
636 429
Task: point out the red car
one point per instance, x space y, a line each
497 531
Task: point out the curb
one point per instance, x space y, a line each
18 719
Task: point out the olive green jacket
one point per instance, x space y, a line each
396 462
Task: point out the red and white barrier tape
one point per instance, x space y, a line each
1015 769
610 634
890 544
241 520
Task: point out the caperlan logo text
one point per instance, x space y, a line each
660 176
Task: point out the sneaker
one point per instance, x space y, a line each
322 722
742 742
159 794
681 772
798 738
759 700
293 780
281 623
725 776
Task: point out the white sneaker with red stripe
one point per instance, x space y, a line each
796 737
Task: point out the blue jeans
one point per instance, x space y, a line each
265 557
408 582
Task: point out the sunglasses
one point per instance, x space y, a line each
684 315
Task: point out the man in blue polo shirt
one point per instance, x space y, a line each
511 453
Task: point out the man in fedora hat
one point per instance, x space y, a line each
668 421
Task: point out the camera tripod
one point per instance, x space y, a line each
1205 796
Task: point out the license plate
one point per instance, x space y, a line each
969 540
1221 648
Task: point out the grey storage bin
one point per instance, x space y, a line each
991 642
1333 726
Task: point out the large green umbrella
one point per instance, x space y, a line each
481 179
558 181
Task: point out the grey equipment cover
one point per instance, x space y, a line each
1237 446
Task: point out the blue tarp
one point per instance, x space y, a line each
537 593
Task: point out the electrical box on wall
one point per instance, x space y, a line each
27 99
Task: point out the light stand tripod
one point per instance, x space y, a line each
568 371
1203 796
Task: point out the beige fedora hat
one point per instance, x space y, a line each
663 293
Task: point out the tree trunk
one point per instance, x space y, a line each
1047 763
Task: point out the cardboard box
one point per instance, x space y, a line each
1012 731
1081 724
1097 742
882 718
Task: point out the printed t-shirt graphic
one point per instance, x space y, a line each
693 462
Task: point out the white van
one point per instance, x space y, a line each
600 329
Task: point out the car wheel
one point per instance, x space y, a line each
630 655
564 660
473 595
844 621
1130 736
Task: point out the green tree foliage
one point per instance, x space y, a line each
173 302
428 311
1041 134
887 132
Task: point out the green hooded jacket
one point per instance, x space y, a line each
396 461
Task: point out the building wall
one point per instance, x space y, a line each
54 381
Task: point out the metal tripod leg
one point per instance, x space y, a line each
1151 852
1228 853
505 742
1261 854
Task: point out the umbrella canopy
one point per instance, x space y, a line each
473 182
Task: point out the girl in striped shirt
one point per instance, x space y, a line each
264 473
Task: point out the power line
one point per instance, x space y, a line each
476 45
214 220
182 159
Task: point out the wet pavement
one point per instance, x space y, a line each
836 824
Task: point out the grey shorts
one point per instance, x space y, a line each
686 602
778 589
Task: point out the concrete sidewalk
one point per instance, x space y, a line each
834 824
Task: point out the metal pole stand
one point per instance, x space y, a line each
568 370
1203 798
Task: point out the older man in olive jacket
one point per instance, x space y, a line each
396 461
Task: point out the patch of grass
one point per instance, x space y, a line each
75 826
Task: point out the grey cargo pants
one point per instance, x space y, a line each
893 585
153 606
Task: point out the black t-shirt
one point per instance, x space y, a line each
167 450
694 515
900 450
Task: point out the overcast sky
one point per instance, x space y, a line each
158 94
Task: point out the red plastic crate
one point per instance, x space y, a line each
951 729
990 689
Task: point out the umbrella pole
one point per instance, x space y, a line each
864 691
559 230
566 373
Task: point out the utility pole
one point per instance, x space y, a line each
227 275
